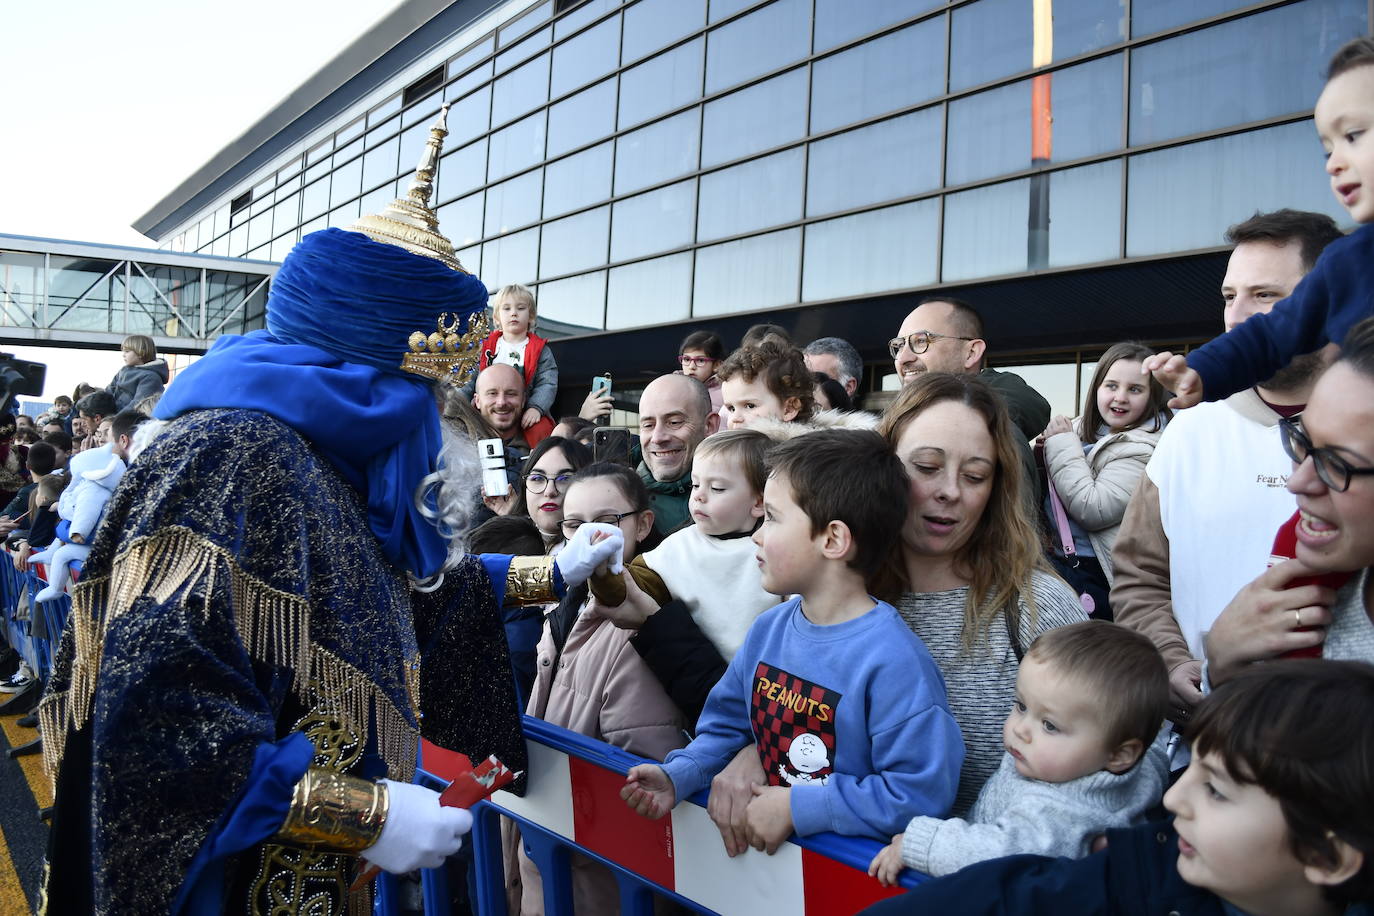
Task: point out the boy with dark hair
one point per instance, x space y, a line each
1337 293
841 699
1090 700
1271 818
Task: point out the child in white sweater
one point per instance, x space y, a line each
1083 755
711 565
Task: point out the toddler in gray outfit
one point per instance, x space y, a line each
1085 753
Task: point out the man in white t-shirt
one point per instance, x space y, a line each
1202 522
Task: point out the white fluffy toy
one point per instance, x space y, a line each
95 474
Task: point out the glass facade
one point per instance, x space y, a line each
652 161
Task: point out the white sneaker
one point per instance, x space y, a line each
18 682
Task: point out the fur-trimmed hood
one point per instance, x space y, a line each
782 430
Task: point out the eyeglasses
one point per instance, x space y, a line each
537 482
570 525
696 360
1333 470
918 341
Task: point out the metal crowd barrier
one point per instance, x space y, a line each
32 628
573 805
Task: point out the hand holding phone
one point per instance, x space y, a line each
600 399
492 454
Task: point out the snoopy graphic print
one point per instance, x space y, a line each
794 727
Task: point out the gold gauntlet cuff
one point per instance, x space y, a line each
529 580
340 813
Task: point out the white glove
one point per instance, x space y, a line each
579 558
418 831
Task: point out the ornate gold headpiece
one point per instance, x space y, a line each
445 355
408 221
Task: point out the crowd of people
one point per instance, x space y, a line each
1042 656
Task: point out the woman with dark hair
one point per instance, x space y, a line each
977 588
544 482
830 394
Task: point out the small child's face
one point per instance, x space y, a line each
1124 394
1232 838
722 500
1053 731
1344 117
745 402
131 358
788 552
514 317
698 365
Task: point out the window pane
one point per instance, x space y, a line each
1193 82
985 231
469 117
471 56
526 22
657 221
1163 14
316 199
413 142
379 164
461 220
582 14
1085 214
346 183
1185 197
650 292
993 38
661 84
763 40
990 133
471 259
900 157
891 72
513 203
468 81
651 24
520 90
757 194
516 147
463 169
723 8
578 301
748 274
580 60
583 118
522 49
574 243
769 114
511 259
657 152
871 252
837 21
578 180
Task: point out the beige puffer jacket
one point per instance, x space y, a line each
1096 487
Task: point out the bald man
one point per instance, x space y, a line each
674 416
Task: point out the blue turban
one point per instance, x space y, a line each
339 316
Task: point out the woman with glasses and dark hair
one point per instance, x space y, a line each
544 482
590 679
1284 611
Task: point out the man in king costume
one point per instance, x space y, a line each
279 589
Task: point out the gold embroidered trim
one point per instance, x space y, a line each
529 580
334 811
274 626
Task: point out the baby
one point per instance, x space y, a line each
711 566
1090 701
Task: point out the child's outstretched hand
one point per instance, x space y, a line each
1172 372
887 864
649 791
529 417
769 818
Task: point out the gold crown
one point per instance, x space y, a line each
408 222
445 355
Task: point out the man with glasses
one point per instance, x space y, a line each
944 334
1202 522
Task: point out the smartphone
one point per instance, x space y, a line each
492 454
612 443
601 384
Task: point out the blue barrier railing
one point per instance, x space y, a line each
32 628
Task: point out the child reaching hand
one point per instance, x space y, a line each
711 565
841 699
1339 290
1082 756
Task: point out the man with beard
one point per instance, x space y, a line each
1201 524
235 709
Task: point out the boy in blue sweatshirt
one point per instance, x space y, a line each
843 702
1339 290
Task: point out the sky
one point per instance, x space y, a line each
108 106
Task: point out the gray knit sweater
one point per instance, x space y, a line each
980 682
1015 815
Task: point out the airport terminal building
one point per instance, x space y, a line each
654 166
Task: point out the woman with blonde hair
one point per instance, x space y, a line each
144 373
976 587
